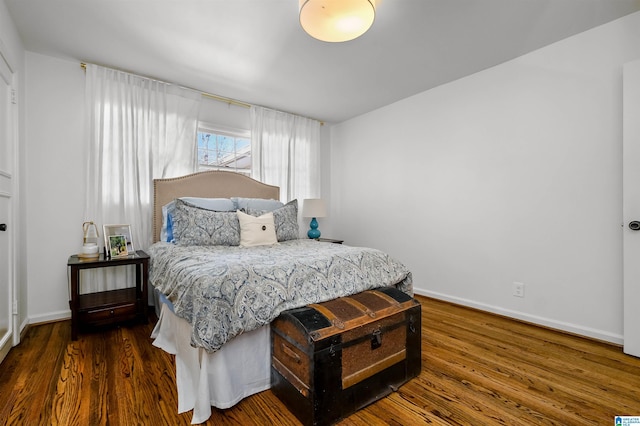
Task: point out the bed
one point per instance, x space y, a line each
216 300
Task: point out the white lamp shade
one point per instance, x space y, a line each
337 20
314 207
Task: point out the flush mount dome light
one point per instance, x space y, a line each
337 20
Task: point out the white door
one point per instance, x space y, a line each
631 208
5 282
7 163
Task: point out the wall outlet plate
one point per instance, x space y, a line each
518 289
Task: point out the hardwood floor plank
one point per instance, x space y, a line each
67 402
477 369
546 380
482 388
38 386
98 391
550 364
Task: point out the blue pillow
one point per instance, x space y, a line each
214 204
169 237
256 204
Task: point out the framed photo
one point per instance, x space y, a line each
117 246
121 246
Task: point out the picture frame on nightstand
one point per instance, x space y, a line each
118 240
117 246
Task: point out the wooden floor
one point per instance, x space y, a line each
477 369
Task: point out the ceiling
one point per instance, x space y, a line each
255 51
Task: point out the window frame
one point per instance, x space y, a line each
227 131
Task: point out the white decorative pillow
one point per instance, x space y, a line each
257 231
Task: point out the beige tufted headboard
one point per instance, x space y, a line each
211 184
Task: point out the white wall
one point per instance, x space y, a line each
55 152
225 115
509 175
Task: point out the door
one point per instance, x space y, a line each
7 162
631 207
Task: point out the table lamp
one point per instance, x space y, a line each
89 241
313 208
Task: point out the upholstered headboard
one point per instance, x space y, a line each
211 184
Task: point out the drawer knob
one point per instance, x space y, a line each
111 312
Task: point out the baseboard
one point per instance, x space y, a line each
592 333
50 317
24 327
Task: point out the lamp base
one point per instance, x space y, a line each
89 251
314 232
88 256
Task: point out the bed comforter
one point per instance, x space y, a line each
223 291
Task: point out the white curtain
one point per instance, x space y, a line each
138 130
285 151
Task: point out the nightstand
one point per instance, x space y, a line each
113 306
329 240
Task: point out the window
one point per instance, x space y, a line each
224 150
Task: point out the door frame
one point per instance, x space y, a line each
631 207
8 77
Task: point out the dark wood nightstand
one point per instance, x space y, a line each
329 240
113 306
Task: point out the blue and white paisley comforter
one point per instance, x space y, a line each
223 291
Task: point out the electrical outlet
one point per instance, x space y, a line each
518 289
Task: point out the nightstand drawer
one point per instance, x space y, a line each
98 316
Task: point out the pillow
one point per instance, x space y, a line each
216 204
286 221
195 226
169 237
257 231
256 204
166 219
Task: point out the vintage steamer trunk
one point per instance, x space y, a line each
331 359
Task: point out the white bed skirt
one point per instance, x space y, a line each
220 379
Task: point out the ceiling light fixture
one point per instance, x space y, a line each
337 20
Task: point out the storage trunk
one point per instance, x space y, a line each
333 358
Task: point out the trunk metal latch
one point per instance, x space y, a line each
376 339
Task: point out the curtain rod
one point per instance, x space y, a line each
210 95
